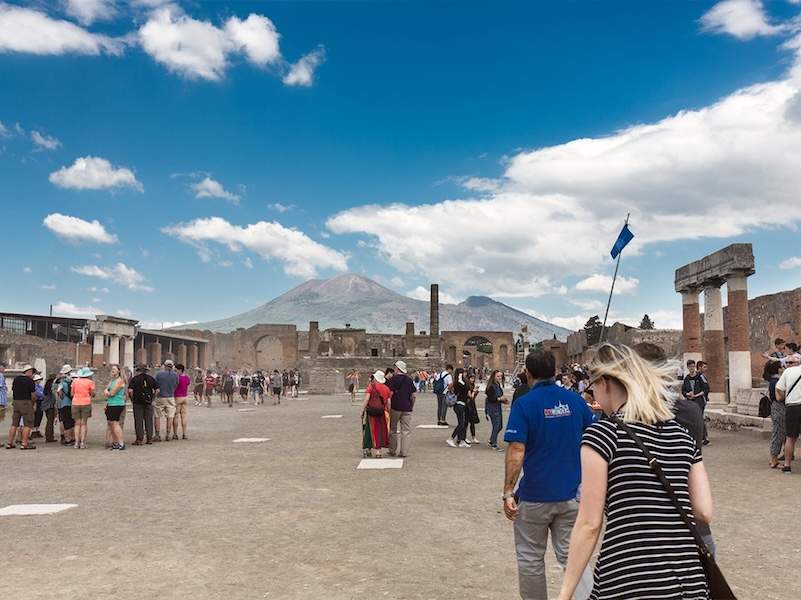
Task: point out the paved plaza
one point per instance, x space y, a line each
292 517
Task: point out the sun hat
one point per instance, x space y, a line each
27 368
84 372
379 376
65 369
37 377
401 366
169 363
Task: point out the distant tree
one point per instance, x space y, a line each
593 327
646 322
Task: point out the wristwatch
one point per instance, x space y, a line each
507 495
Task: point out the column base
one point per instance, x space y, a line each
717 400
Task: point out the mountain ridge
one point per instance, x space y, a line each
363 303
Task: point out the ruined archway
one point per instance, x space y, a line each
269 353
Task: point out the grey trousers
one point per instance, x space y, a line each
404 419
532 525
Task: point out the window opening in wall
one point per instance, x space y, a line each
374 352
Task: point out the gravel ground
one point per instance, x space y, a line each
293 518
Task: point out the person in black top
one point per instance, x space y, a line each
492 407
522 388
23 390
142 389
461 389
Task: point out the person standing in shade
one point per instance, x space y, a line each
544 436
83 389
493 407
23 393
142 391
401 407
164 406
181 393
115 407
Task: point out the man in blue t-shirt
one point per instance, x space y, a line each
544 436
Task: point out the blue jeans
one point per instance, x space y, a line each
460 432
495 414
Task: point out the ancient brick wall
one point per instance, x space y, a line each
326 374
28 348
252 348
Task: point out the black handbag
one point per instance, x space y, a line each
764 407
718 586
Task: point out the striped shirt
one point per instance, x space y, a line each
647 551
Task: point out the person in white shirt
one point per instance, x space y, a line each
442 408
789 391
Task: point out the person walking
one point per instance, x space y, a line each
544 436
64 405
471 409
257 388
788 391
276 384
229 384
493 407
181 403
142 390
294 378
23 395
461 389
648 551
197 390
442 386
401 407
772 373
115 407
164 405
209 383
522 387
83 389
375 407
353 383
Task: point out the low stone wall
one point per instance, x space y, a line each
326 374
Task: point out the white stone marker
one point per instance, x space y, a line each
250 440
381 463
34 509
247 410
331 417
433 427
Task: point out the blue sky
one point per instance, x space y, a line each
188 161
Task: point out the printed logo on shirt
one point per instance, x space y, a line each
560 410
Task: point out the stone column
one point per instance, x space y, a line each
114 350
435 347
714 349
739 334
98 347
128 354
201 356
409 339
314 338
141 356
154 354
193 356
691 326
182 354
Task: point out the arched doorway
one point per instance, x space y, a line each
270 353
480 349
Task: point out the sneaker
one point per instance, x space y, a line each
157 437
451 442
464 444
114 446
705 442
175 436
786 470
148 442
84 446
121 447
77 445
499 449
474 440
36 434
166 438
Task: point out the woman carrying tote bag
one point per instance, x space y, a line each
646 473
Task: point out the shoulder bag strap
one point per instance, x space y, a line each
787 393
660 475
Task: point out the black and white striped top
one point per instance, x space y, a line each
647 551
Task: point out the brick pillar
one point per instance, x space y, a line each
314 338
181 354
738 330
409 339
154 354
434 347
691 326
141 356
193 356
714 349
202 359
98 348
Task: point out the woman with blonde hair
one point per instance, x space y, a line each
648 549
115 408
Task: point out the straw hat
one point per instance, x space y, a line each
401 366
27 368
379 376
65 369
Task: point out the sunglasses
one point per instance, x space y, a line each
592 382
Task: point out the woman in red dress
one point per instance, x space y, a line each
374 415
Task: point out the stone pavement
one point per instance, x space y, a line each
291 517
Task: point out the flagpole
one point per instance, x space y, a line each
612 291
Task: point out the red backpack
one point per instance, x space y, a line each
375 404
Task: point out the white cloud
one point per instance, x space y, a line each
602 283
74 229
587 304
94 289
247 263
123 312
67 309
164 324
30 31
210 188
480 184
45 141
87 12
422 293
302 72
27 270
298 254
716 172
4 131
282 208
47 286
743 19
93 173
791 263
120 273
200 50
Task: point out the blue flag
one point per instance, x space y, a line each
622 241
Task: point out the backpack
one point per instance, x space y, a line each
439 384
764 406
450 399
375 404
